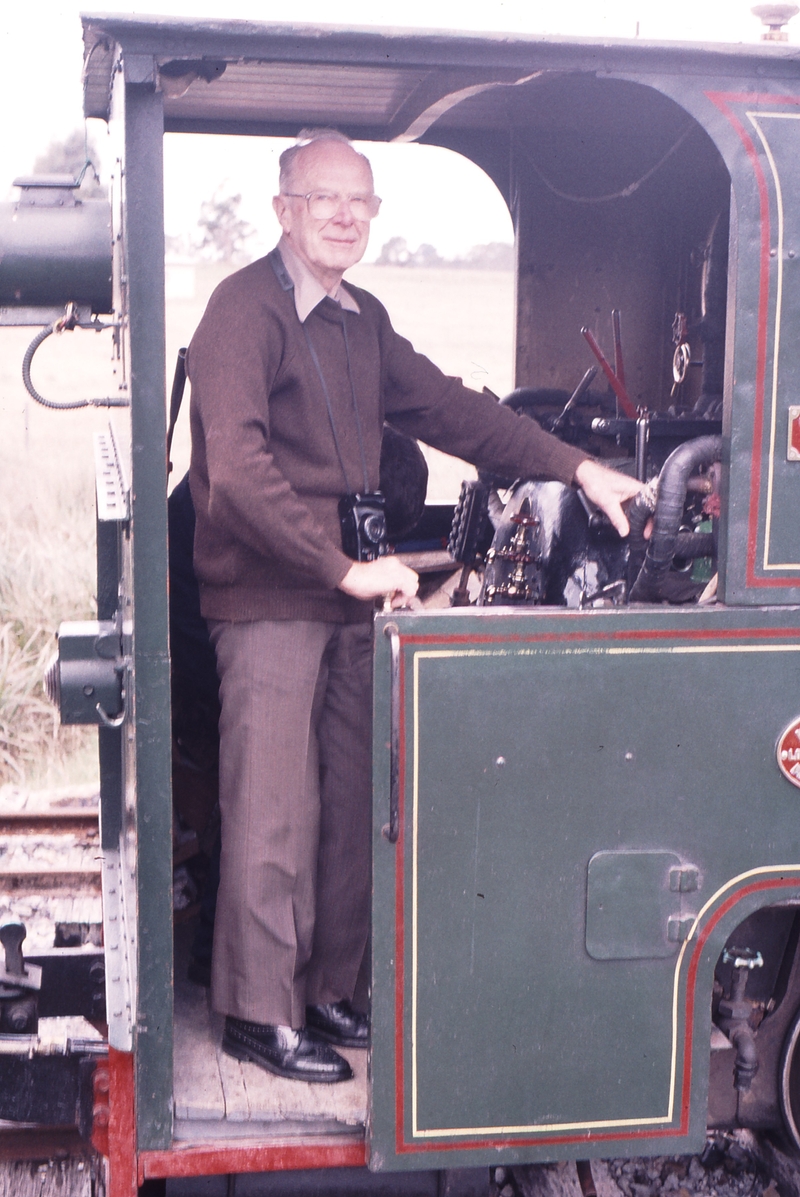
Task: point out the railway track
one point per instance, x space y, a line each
50 867
50 880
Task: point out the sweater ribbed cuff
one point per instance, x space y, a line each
564 461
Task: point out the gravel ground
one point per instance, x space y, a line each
725 1169
62 1176
732 1165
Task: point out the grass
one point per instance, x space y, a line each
46 559
46 548
461 319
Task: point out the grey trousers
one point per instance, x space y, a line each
292 919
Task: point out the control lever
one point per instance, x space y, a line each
18 983
15 972
574 398
11 937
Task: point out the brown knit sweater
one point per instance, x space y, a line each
265 475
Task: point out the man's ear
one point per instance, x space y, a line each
283 212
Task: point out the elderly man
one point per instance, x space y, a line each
293 373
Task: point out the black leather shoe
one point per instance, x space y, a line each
296 1055
339 1023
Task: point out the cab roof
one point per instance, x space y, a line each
374 84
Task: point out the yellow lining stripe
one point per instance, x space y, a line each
549 1128
755 118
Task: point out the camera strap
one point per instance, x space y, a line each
328 404
285 279
178 387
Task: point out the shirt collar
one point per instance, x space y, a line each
308 290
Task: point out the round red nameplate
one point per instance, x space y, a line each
789 753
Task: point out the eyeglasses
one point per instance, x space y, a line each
323 205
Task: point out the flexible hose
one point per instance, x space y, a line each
694 544
662 546
41 336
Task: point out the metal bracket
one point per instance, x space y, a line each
33 317
113 496
119 980
86 679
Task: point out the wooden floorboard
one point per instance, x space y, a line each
237 1107
197 1087
232 1099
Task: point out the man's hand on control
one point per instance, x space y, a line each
385 577
609 490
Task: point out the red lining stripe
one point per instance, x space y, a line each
636 634
400 944
402 1146
621 1135
721 100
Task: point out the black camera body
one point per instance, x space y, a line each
363 523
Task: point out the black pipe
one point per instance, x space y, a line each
662 546
745 1066
694 544
734 1016
585 1178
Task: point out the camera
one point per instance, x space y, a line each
363 523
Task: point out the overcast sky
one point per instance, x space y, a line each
40 92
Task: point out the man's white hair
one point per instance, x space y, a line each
305 138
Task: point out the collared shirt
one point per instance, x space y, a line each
308 290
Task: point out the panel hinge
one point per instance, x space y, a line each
684 880
678 928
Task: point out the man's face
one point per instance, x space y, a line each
328 247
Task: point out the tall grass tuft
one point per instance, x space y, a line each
46 576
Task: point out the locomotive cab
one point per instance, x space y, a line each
586 863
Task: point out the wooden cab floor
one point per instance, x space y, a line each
217 1097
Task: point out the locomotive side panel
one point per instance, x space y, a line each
588 807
